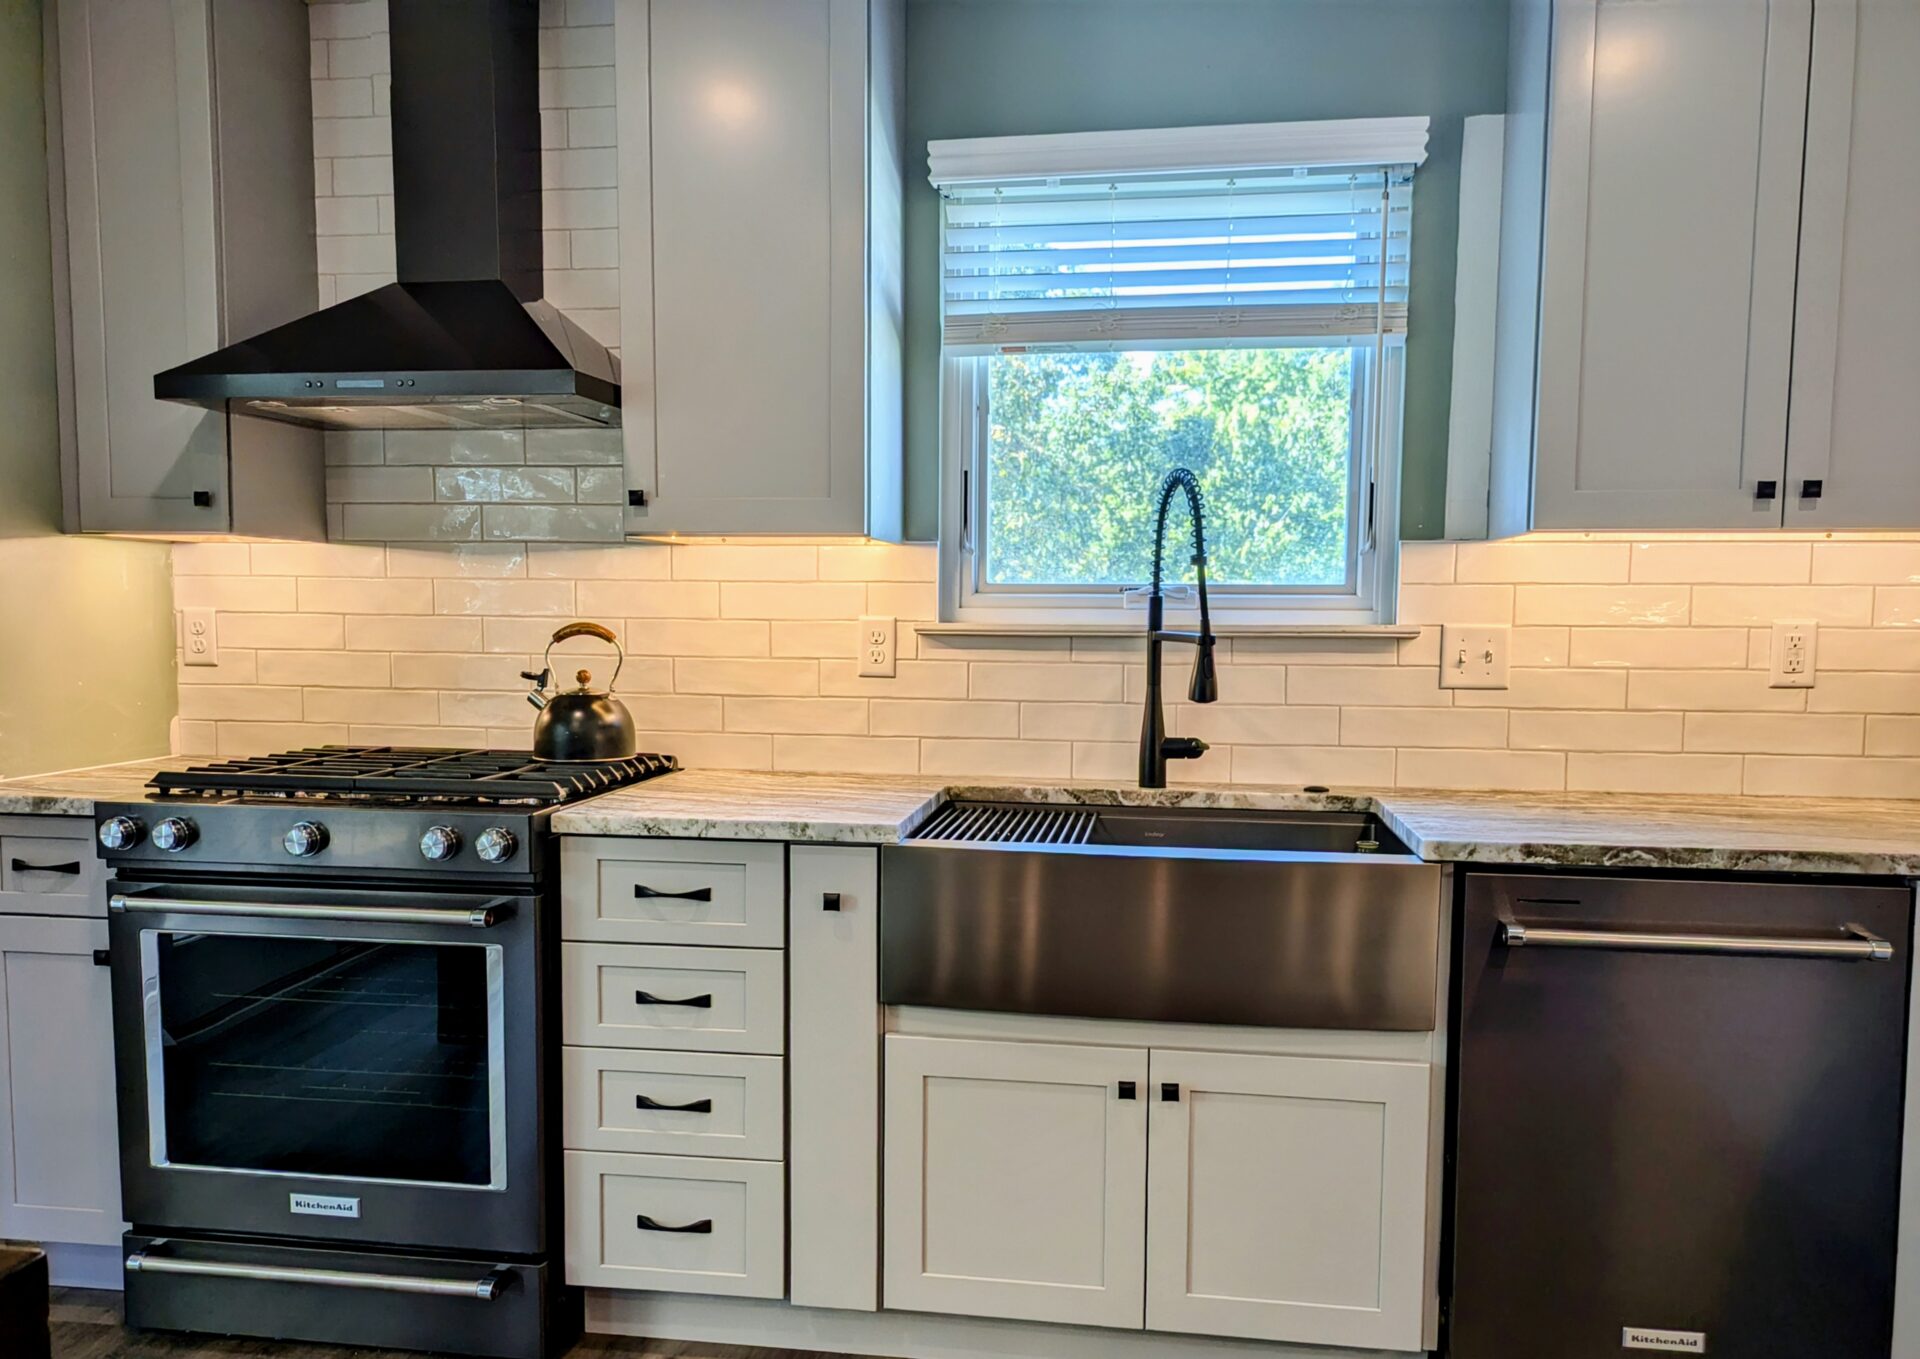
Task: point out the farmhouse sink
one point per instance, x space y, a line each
1198 915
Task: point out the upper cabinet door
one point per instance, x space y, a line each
136 130
1666 310
1855 427
744 142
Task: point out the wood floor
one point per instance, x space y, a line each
86 1325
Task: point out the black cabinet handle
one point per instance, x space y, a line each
101 958
22 866
1169 1092
829 901
698 1106
1127 1090
1766 490
692 1002
202 500
704 1227
1811 488
644 892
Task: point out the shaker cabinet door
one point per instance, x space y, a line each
1287 1199
1674 134
1015 1179
59 1144
1856 406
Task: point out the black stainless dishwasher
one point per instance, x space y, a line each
1679 1118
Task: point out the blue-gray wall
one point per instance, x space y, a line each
984 68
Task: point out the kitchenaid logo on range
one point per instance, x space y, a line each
313 1205
1670 1342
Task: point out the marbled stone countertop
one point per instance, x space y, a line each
74 792
1588 830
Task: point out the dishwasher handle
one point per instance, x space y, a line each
1863 946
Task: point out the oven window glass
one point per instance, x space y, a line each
327 1056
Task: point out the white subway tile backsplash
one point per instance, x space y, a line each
1893 736
355 669
1459 727
495 484
553 523
1334 766
409 523
1775 733
477 447
1821 776
847 754
320 594
1881 562
1533 562
1762 605
1722 562
1601 605
1544 729
797 716
1660 648
1896 606
1615 772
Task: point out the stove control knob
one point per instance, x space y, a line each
305 840
439 843
174 834
121 832
496 844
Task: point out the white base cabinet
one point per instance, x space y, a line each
1286 1198
1266 1197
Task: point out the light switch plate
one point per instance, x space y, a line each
199 637
1475 657
877 653
1791 657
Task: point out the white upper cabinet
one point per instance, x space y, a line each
181 170
1855 422
760 179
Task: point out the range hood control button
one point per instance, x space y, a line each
121 832
496 845
305 840
439 843
174 834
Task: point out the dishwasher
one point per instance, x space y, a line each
1677 1117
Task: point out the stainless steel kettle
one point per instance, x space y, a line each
580 723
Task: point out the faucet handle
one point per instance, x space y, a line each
1183 747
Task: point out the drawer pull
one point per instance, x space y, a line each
829 901
102 958
703 1002
697 1106
704 1227
22 866
644 893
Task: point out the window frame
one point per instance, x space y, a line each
1367 598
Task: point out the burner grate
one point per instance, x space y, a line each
410 774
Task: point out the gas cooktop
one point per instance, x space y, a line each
408 776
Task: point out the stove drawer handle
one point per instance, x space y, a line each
22 866
704 1227
485 1288
1864 945
701 1002
696 1106
645 893
477 917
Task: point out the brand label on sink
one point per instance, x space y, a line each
1670 1342
315 1205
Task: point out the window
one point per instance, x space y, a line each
1231 300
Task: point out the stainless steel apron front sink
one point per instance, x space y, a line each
1315 920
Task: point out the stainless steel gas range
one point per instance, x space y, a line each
334 983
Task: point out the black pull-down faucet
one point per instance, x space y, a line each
1156 747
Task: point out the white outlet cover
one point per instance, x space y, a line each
878 656
1475 657
1792 655
199 637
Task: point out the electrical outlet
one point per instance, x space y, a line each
877 647
199 638
1475 658
1791 659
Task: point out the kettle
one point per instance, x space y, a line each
580 723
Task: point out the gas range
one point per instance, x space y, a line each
360 809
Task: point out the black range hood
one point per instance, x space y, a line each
463 340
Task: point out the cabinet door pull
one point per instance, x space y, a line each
22 866
704 1227
703 1002
698 1106
829 901
1127 1090
1169 1092
644 892
1812 488
101 958
1766 490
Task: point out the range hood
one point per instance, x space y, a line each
463 340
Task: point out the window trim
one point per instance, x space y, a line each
1370 599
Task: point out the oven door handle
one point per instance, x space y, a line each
485 1288
478 917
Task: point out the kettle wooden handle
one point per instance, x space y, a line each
605 634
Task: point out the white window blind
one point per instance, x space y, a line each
1186 236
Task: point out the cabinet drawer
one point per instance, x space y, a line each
623 1101
676 1223
48 867
692 999
711 892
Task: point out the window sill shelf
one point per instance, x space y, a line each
1382 632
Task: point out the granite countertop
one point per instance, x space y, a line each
1588 830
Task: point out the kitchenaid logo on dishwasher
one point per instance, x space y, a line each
1670 1342
313 1205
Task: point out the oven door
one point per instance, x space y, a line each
337 1064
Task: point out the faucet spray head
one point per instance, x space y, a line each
1206 681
